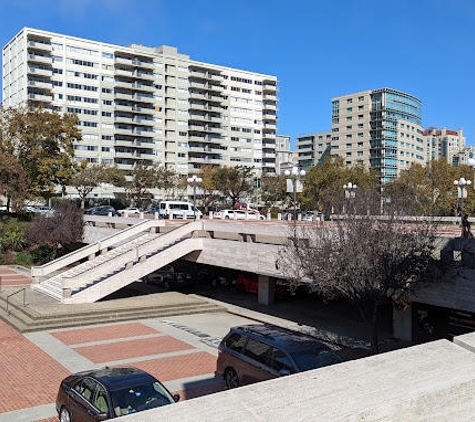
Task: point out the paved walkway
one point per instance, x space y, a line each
179 350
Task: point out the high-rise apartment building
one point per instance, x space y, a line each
379 129
146 105
444 144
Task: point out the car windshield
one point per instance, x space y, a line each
312 359
140 397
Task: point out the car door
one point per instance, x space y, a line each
81 407
255 366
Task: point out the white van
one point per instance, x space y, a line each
178 209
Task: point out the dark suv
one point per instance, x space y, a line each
252 353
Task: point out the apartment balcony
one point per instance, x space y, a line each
268 87
40 97
143 87
144 133
124 119
268 155
124 72
127 96
198 96
269 96
196 117
122 107
121 142
270 126
40 45
269 106
40 84
145 76
144 122
144 98
125 61
266 114
144 110
124 131
39 71
37 58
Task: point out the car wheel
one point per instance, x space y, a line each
231 378
227 217
64 415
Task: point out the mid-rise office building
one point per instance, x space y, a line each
142 104
379 129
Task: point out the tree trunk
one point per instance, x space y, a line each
374 329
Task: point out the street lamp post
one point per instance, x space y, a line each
471 163
194 181
350 190
295 174
461 193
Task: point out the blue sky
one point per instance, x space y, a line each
317 49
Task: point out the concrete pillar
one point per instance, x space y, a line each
402 321
265 290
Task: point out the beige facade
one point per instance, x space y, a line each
379 129
142 104
444 144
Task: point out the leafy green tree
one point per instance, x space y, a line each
86 179
272 190
429 190
167 180
42 142
323 184
208 187
143 178
13 182
233 182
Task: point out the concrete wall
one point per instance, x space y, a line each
431 382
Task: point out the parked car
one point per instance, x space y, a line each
238 215
312 216
130 210
40 210
247 283
101 210
178 209
168 278
252 353
101 394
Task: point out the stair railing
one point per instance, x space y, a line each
12 294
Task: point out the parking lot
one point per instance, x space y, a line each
180 351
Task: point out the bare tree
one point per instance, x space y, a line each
366 259
62 230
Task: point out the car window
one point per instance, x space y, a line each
86 388
100 400
257 350
316 358
280 361
235 342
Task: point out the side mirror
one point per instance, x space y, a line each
176 397
284 372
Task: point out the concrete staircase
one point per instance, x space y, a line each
114 263
42 313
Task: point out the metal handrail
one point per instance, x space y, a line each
12 294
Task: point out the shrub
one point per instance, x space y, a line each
24 258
